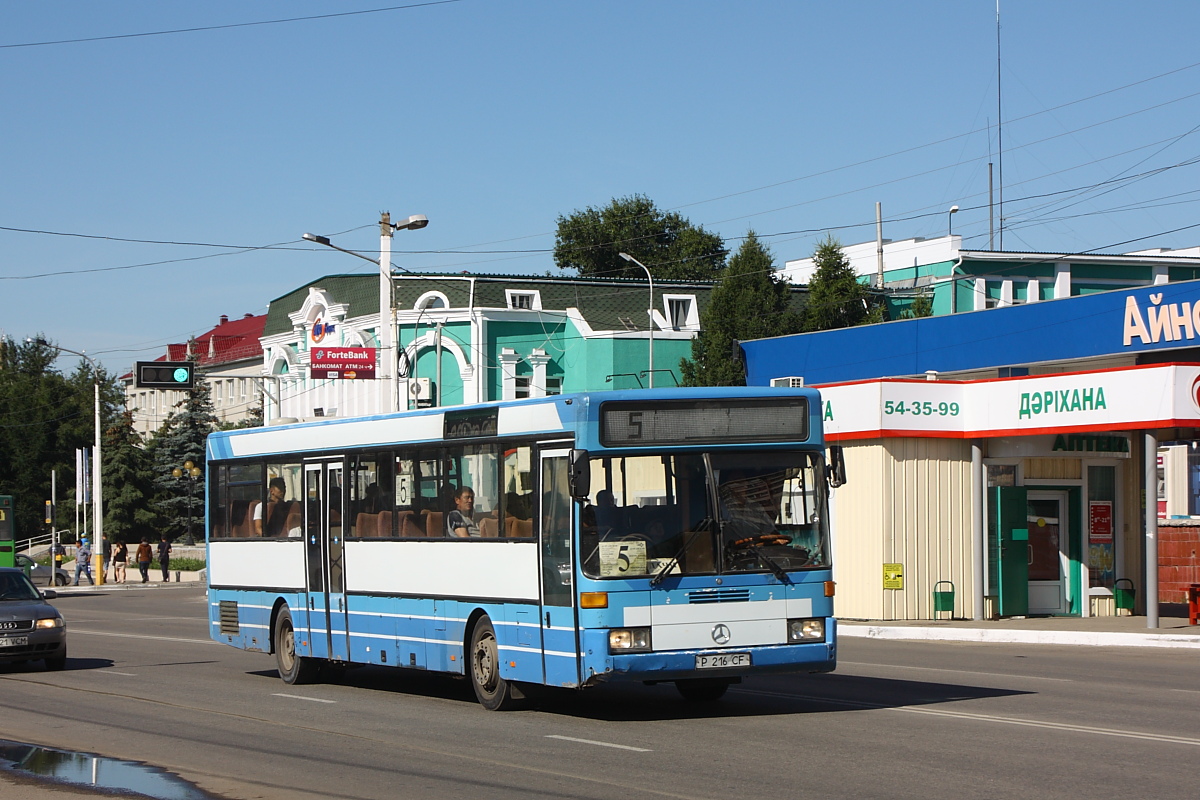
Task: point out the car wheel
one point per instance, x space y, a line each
60 580
292 668
56 663
493 692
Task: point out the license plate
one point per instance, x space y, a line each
719 660
14 641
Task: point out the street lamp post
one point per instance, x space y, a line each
191 472
950 220
649 311
97 491
387 330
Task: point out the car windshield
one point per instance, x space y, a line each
697 513
15 586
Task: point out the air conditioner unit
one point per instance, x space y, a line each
787 383
420 390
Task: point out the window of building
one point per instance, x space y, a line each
522 383
523 299
432 300
553 386
679 312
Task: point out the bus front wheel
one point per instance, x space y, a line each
292 668
702 690
493 692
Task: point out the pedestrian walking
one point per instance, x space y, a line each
106 551
164 557
120 557
144 555
83 561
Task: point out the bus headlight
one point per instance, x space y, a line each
629 640
806 630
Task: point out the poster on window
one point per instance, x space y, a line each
1100 542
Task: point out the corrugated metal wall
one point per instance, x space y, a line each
906 501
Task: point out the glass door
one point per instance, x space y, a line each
560 643
1048 564
323 512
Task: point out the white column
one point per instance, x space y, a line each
538 360
508 373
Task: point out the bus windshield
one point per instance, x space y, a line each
704 513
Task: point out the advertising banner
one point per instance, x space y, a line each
343 363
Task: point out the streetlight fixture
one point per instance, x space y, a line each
387 338
950 220
97 490
649 311
192 473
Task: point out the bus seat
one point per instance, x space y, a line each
434 523
366 524
520 528
383 528
295 521
489 527
244 527
403 523
411 525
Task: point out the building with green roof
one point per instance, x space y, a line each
470 338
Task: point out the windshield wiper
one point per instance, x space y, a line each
705 525
771 564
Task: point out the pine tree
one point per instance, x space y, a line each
836 299
128 484
181 439
748 303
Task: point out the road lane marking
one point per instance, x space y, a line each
76 631
960 671
599 744
302 697
114 672
993 718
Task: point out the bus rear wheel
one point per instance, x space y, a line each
292 668
493 692
702 690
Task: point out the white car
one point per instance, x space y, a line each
40 573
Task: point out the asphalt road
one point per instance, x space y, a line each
897 720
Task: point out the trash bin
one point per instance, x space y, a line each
1123 596
943 598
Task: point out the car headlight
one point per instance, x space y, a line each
49 622
629 640
806 630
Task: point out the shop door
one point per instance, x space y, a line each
1047 520
328 614
560 644
1011 553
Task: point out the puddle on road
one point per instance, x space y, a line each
85 769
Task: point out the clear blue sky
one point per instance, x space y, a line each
493 117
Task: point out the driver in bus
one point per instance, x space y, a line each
745 515
460 522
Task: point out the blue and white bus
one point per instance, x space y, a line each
675 535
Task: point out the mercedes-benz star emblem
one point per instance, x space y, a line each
720 633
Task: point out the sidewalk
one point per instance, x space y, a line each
1087 631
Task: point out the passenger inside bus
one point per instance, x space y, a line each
278 507
461 521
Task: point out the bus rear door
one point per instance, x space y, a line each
323 512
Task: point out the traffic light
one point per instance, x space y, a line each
165 375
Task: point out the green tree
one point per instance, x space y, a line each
749 302
671 247
836 299
44 417
181 439
921 306
128 483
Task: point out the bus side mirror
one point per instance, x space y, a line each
837 466
580 479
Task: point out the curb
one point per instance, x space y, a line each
979 635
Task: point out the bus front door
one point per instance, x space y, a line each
328 615
560 641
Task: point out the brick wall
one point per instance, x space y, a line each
1178 562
